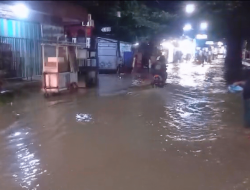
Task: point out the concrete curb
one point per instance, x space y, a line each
22 85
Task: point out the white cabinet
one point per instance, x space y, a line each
56 82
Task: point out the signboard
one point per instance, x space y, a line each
106 29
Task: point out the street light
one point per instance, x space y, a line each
190 8
203 26
187 27
20 10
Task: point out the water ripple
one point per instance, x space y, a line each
194 116
80 117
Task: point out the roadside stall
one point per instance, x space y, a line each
59 67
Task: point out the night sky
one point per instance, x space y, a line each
169 6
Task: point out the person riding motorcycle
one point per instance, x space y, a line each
159 68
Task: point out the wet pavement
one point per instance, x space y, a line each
188 135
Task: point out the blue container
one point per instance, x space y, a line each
128 58
235 88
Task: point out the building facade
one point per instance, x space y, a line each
21 33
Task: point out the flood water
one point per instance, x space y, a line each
188 135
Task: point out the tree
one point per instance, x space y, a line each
138 21
229 19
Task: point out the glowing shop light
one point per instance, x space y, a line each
187 27
209 42
203 26
220 44
201 36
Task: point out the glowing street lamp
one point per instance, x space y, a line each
190 8
187 27
203 26
20 10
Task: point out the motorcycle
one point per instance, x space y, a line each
158 81
159 75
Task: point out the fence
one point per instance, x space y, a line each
20 57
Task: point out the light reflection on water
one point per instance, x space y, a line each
194 116
177 137
80 117
28 163
194 75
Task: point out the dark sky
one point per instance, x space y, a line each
160 4
168 6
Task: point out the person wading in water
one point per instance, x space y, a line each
137 62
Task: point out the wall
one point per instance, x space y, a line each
76 30
52 32
23 39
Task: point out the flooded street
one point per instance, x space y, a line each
188 135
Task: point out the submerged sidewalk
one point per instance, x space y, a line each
108 83
14 85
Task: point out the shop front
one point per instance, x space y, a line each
177 50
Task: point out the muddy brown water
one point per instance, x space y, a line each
188 135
